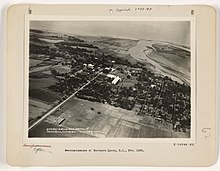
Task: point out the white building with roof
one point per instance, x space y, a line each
111 76
115 81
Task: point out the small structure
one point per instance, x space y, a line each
152 85
90 66
107 70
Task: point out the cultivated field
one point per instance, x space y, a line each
38 87
80 118
73 92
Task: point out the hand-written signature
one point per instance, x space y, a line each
39 148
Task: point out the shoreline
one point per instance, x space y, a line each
141 53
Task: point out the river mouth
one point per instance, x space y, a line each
160 64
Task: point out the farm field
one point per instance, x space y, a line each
90 119
95 86
38 89
37 108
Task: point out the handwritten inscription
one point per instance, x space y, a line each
143 9
123 9
136 9
38 148
206 132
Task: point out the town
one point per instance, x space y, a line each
114 81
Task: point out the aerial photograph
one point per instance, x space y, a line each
109 79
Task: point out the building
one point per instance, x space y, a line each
90 66
111 76
116 80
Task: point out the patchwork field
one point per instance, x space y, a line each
37 108
80 118
64 67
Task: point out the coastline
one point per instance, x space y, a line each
142 52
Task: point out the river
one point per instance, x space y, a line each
142 52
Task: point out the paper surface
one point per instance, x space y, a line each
142 151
